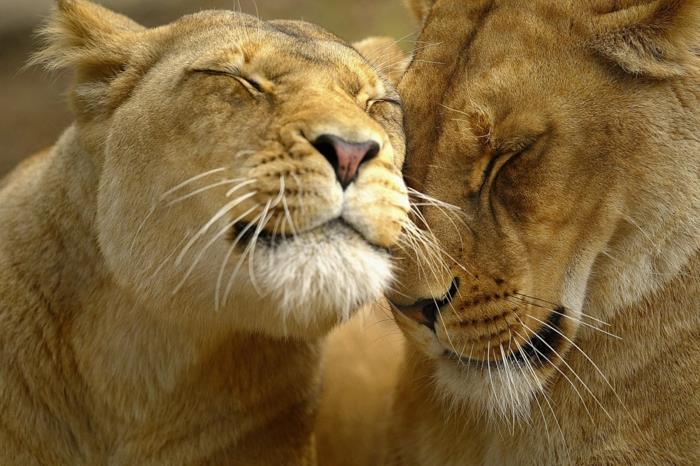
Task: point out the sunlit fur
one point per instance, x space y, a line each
168 268
361 362
565 136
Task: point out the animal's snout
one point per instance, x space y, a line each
344 156
426 311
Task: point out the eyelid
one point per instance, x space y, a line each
250 83
388 100
500 159
488 169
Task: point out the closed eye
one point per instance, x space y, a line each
499 160
488 170
250 84
373 102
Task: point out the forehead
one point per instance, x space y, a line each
487 34
296 45
489 52
487 68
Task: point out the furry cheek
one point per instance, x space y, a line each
377 206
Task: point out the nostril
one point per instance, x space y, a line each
324 144
372 152
345 157
430 313
430 308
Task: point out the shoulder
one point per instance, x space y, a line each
26 168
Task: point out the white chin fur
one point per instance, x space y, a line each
505 392
325 274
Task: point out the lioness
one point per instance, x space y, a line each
225 197
558 320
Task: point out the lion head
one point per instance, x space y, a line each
560 139
249 170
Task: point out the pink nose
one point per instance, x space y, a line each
345 157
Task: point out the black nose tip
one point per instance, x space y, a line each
345 157
430 308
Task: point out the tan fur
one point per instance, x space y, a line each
111 352
567 135
360 362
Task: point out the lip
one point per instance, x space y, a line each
472 363
425 311
274 240
538 350
543 345
246 232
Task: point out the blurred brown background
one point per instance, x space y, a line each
34 111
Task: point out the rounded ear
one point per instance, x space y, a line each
94 42
657 39
385 55
84 35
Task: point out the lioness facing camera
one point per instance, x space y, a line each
561 324
225 197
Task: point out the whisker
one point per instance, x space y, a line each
141 226
447 333
429 62
170 255
585 355
566 316
509 383
223 211
173 190
254 241
201 190
436 245
585 385
227 257
576 390
227 228
449 256
239 186
447 215
487 361
547 400
556 306
229 285
426 250
535 390
455 110
287 213
434 201
246 253
191 180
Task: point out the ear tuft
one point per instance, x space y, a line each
657 39
98 45
85 36
385 55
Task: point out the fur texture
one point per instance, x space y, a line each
168 269
360 365
563 298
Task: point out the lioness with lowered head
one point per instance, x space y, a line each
225 197
561 323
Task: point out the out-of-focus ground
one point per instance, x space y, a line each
33 108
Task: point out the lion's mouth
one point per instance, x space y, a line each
538 351
543 345
245 233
